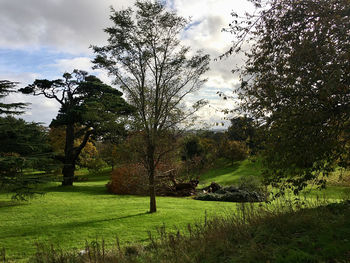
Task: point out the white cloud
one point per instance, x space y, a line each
68 65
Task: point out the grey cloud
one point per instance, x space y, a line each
68 25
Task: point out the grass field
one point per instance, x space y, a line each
224 173
67 217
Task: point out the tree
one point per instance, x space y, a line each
191 148
23 146
89 108
145 55
234 150
7 87
108 152
242 129
296 83
57 137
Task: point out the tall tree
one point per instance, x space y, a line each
296 81
89 108
145 55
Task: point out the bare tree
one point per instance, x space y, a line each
145 55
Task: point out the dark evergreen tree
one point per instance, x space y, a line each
89 108
24 146
7 87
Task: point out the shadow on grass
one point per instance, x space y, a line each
81 188
62 227
12 203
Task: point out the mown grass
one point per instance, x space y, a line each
226 174
69 216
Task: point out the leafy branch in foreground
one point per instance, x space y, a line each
295 83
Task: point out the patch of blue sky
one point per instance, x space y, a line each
185 33
192 24
169 3
40 61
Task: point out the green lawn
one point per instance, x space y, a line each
224 173
69 216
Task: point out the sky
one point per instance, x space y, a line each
42 39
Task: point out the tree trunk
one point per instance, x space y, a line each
69 162
151 173
68 174
152 193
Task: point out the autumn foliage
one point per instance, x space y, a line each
128 179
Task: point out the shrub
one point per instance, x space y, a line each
133 179
252 183
128 179
96 165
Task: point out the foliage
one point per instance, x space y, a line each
23 146
244 129
234 151
191 148
198 152
250 183
295 82
145 55
108 152
89 108
96 166
131 178
57 137
128 179
7 87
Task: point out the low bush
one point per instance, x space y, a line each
128 179
133 179
96 165
249 189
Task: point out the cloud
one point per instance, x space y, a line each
68 65
70 26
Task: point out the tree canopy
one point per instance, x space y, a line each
295 82
89 108
145 56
